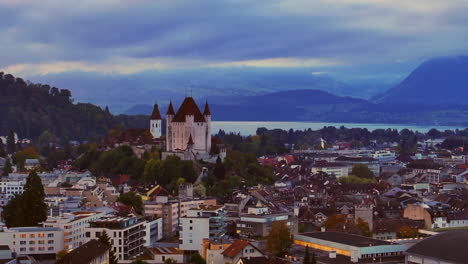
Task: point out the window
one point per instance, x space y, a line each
50 248
32 242
32 248
41 248
40 235
22 242
32 235
191 228
41 241
50 242
50 235
23 235
22 249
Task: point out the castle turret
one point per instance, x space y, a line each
169 116
155 122
207 115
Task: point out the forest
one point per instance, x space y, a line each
29 109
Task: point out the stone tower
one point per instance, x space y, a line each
155 122
366 213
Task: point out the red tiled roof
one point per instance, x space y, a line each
235 248
156 115
170 109
189 107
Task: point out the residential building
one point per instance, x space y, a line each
204 222
11 187
162 254
331 168
168 211
73 226
154 231
127 234
240 249
371 163
212 250
39 242
259 225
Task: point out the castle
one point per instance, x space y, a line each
188 131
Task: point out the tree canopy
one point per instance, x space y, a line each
279 239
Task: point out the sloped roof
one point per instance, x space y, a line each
170 109
188 107
449 246
85 253
235 248
156 115
207 109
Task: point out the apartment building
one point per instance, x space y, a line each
39 242
204 222
127 234
73 226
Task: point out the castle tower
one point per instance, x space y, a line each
169 116
155 122
366 213
207 115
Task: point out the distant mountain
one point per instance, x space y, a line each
441 81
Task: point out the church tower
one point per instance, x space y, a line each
155 122
207 115
169 116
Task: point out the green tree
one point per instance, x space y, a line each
219 170
131 199
197 259
2 149
363 227
104 238
11 145
29 208
362 171
153 171
406 232
170 261
306 259
279 239
7 169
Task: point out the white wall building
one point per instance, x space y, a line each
33 240
127 234
445 222
11 187
206 222
73 226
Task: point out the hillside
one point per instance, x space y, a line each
30 109
441 81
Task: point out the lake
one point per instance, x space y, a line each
250 127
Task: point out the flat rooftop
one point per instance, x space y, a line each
347 239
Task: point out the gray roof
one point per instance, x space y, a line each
347 239
35 229
449 246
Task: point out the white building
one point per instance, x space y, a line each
156 122
331 168
74 226
449 222
206 222
188 123
127 234
154 231
34 241
11 187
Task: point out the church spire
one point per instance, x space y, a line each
170 109
207 109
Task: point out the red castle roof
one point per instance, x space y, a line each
207 109
189 107
170 109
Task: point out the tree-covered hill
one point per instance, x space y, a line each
29 109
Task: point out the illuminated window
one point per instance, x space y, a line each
23 235
32 236
40 235
41 242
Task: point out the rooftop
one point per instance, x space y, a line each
84 253
347 239
449 246
34 229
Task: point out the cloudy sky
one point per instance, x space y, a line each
110 41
